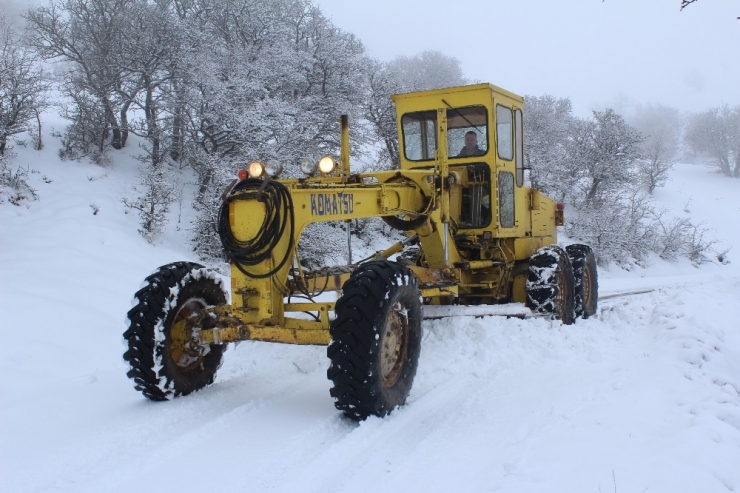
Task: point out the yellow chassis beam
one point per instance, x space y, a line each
231 328
225 323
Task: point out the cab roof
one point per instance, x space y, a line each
474 92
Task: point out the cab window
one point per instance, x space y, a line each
519 148
419 135
506 199
504 132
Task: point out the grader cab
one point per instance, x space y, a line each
476 235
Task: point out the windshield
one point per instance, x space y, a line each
467 133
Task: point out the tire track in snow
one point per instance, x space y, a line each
459 387
705 349
697 349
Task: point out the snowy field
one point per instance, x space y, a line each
643 397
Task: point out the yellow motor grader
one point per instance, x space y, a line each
475 235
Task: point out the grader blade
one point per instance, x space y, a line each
509 310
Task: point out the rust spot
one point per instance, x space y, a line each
245 294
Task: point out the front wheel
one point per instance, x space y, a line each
376 340
550 284
163 358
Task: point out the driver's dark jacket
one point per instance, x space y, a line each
475 152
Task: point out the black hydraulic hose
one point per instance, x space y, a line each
278 215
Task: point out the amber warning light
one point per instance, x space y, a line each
242 174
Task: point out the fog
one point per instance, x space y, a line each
613 53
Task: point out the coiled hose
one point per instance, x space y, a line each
278 215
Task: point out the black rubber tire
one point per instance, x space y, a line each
550 284
380 304
174 290
586 288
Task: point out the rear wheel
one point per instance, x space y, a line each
163 359
376 340
586 288
550 284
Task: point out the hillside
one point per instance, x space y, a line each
645 396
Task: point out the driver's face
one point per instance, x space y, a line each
471 140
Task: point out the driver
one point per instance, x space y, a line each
471 145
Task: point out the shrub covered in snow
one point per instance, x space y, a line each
601 168
14 185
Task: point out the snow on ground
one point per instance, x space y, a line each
645 396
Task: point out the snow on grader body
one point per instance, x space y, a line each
477 234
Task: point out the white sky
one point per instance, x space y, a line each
613 53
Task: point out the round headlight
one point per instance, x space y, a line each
327 164
273 168
308 166
256 169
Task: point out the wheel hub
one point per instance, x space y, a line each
184 351
586 283
393 353
561 298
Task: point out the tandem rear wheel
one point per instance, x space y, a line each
563 283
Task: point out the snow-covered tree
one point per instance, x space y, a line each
654 166
427 70
612 210
271 82
618 227
548 122
87 35
602 153
153 60
716 133
594 165
381 113
658 123
661 128
23 87
154 200
85 135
